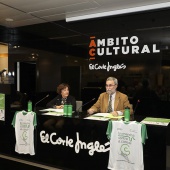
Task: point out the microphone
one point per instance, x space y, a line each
40 101
138 101
85 104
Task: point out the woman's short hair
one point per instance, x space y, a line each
61 87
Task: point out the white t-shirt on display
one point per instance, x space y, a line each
24 123
126 145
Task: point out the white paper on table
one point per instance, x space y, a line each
102 114
52 110
107 115
53 114
97 118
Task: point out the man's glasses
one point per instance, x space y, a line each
110 85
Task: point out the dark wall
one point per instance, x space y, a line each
72 76
155 67
49 71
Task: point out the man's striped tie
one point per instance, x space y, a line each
110 104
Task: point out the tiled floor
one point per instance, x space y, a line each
9 163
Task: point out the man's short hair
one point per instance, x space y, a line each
112 79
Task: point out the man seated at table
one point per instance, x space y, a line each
111 101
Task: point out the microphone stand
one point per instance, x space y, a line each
78 114
138 101
40 101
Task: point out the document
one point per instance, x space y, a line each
103 116
108 115
53 114
156 121
97 118
52 110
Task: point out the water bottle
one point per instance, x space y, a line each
65 109
70 110
127 114
29 106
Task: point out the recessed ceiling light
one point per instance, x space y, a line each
9 19
119 11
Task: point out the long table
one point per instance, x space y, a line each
73 143
76 143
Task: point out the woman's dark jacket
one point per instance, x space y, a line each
57 101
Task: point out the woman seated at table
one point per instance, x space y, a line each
62 98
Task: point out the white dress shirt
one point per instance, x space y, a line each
113 101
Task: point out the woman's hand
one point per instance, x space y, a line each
60 107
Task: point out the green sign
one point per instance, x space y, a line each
156 121
2 107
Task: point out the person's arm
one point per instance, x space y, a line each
125 103
52 103
95 107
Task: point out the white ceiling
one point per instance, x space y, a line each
30 12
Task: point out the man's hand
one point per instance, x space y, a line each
90 111
114 113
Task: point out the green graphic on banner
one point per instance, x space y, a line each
2 107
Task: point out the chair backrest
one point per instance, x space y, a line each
79 106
